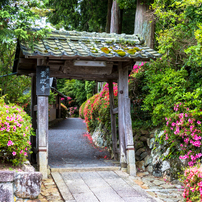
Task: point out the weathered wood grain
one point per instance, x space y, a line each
113 119
121 92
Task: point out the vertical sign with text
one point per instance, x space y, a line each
42 80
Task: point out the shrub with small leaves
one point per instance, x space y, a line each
15 132
192 180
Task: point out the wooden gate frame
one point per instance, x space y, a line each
77 60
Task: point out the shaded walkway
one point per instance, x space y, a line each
69 146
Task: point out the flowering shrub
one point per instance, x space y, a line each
193 184
81 110
96 110
15 129
183 134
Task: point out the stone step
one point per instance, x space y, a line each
83 169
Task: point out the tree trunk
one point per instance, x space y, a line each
109 16
120 21
115 13
143 25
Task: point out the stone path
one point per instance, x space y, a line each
99 186
80 172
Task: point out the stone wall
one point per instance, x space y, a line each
148 153
20 185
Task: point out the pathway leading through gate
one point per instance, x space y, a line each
69 146
81 172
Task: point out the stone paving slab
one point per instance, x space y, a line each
101 186
62 186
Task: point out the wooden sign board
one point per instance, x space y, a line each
42 80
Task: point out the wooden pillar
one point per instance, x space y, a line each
130 151
113 120
125 124
59 107
43 90
42 134
33 115
121 93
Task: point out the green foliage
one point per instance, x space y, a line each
79 15
90 88
165 86
178 29
52 97
15 127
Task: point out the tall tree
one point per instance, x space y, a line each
144 24
16 21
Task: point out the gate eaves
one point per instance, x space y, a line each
83 55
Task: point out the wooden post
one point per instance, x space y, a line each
113 119
42 90
59 107
42 134
121 92
33 115
125 124
130 151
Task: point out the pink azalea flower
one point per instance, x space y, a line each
198 122
25 153
14 128
21 151
24 134
10 143
14 153
173 124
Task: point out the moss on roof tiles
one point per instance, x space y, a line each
74 43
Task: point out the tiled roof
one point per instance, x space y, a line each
84 44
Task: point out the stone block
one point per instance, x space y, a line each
143 139
143 155
149 169
139 151
147 160
140 165
151 142
28 168
28 185
138 145
7 176
165 166
6 192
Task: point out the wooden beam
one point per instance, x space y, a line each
121 92
113 120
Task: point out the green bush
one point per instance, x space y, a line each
16 129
